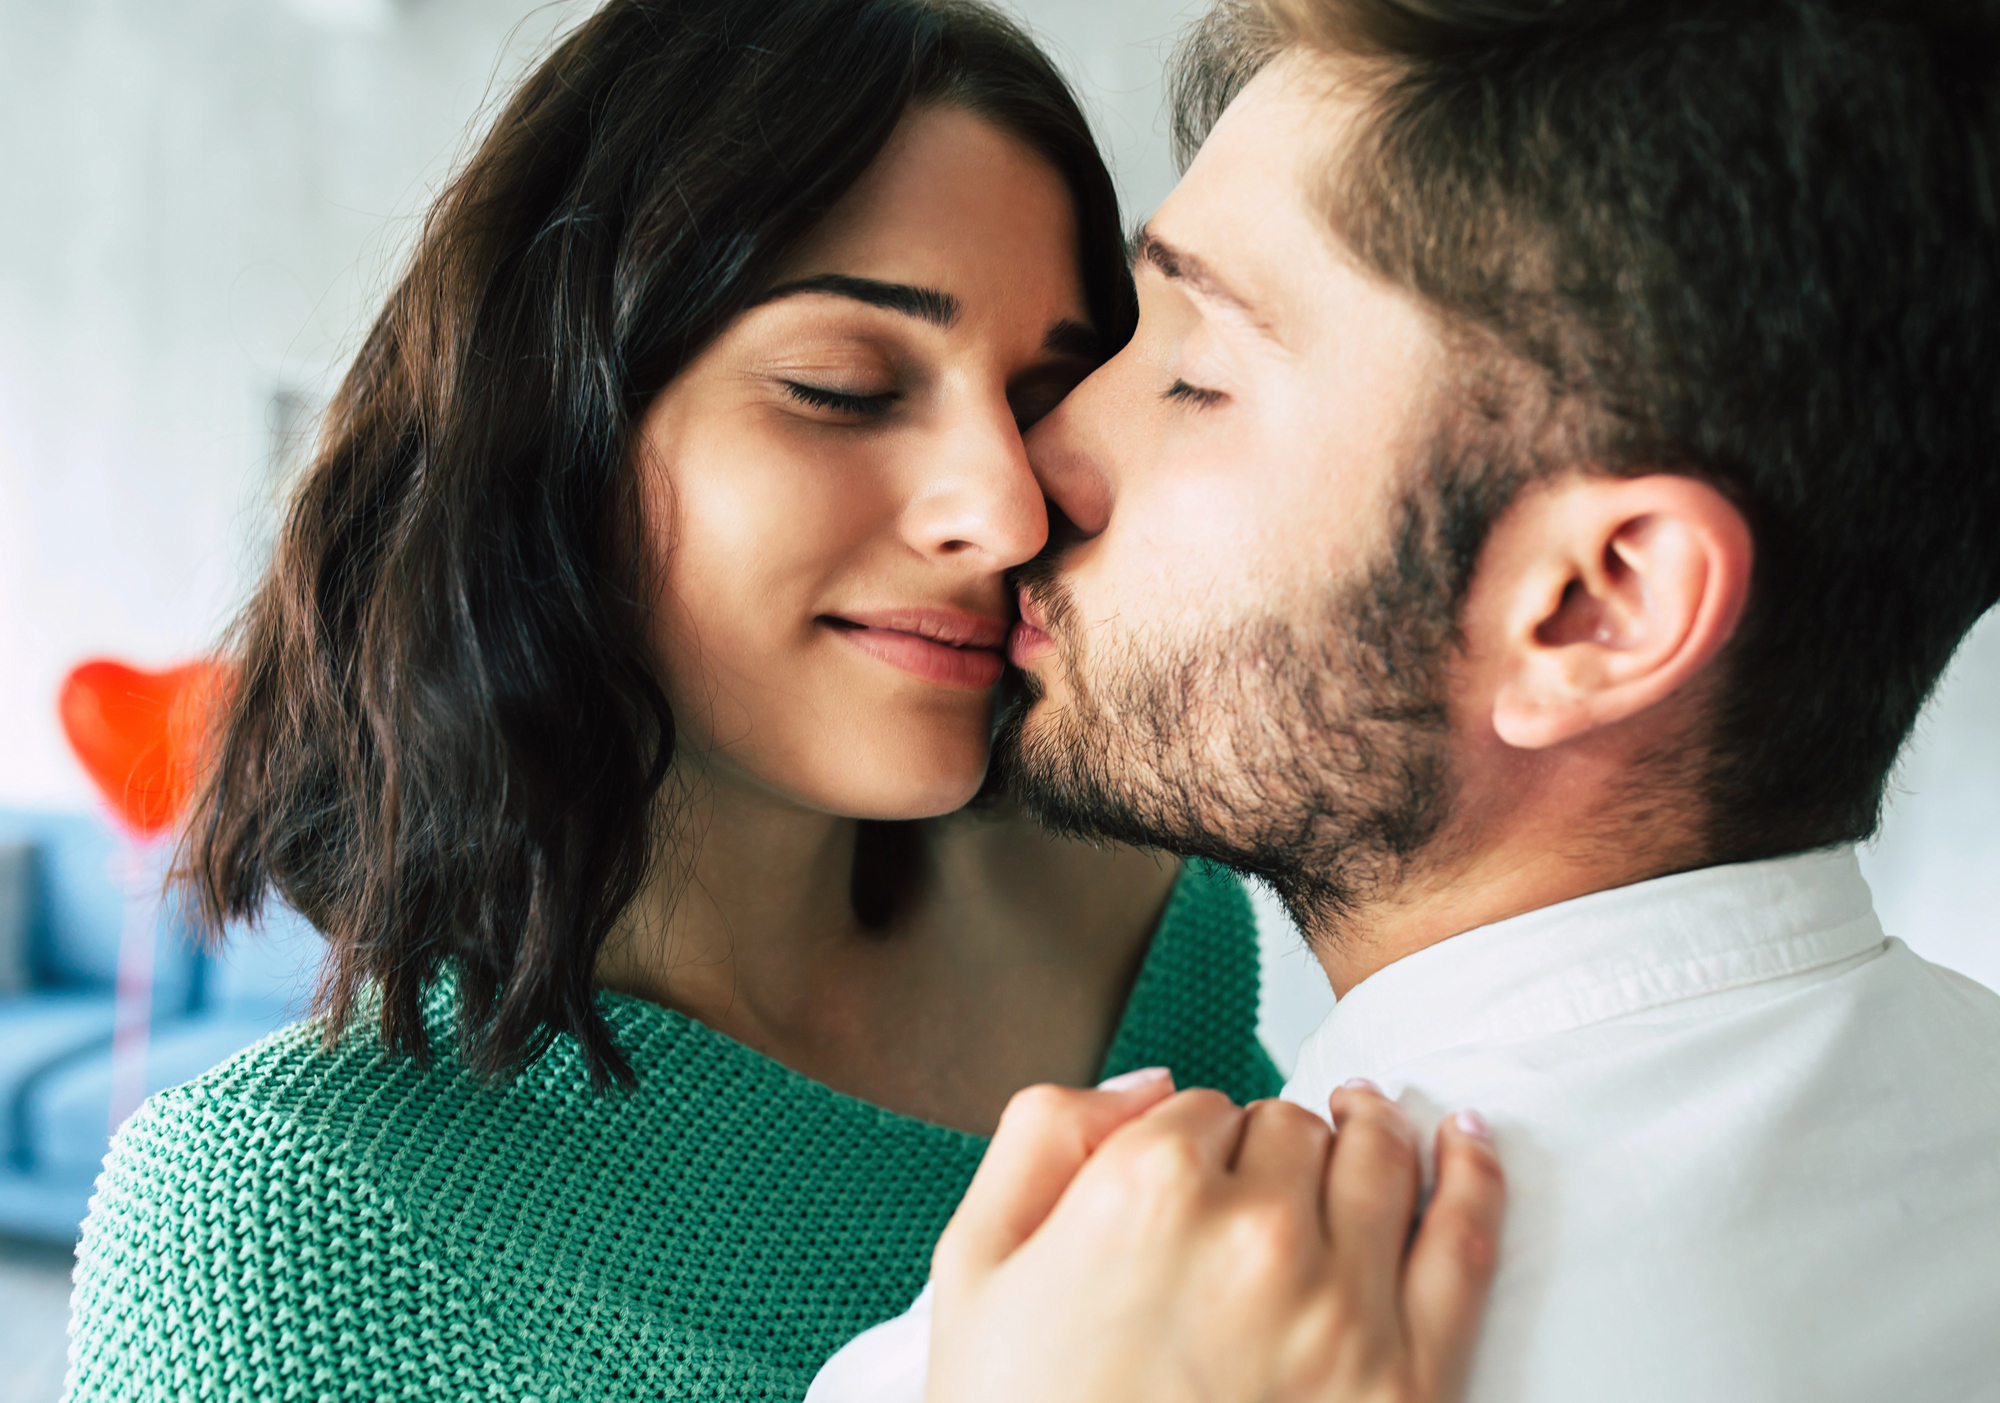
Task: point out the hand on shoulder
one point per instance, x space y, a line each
1137 1243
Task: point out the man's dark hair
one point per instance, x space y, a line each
1754 241
446 740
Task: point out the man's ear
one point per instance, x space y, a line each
1600 597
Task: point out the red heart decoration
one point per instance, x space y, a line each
140 735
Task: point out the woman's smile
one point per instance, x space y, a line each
845 460
948 647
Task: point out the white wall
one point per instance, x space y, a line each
1935 867
203 200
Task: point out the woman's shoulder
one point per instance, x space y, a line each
1195 1004
258 1156
299 1084
344 1099
240 1226
277 1223
327 1220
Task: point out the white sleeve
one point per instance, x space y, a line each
888 1364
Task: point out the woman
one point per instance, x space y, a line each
641 614
648 584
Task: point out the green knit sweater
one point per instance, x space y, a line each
304 1224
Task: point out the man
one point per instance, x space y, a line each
1556 462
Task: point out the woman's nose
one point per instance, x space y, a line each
978 503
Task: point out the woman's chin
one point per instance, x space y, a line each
897 767
915 802
908 783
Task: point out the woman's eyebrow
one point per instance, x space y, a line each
924 303
1073 338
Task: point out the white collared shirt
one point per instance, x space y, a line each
1752 1146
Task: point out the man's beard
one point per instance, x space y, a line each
1310 751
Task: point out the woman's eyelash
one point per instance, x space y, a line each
840 401
1193 394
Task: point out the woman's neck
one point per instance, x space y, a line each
1009 964
748 906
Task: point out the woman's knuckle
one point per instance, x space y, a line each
1473 1247
1207 1102
1330 1322
1292 1120
1484 1170
1035 1106
1381 1141
945 1256
1268 1238
1165 1166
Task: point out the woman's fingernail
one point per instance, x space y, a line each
1360 1084
1145 1076
1474 1124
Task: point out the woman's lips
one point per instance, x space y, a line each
1029 640
942 646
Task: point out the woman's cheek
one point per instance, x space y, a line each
758 544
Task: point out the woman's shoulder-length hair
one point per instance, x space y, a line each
446 741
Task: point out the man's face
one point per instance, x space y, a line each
1237 651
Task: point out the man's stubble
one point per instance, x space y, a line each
1308 749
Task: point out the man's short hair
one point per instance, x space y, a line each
1755 241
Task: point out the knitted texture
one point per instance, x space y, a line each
304 1224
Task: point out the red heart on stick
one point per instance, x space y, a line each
140 735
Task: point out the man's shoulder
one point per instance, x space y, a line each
1897 1055
1793 1195
1969 1005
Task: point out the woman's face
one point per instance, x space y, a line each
834 488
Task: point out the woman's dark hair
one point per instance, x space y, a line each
446 740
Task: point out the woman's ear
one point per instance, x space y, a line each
1600 597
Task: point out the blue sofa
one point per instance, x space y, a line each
55 1034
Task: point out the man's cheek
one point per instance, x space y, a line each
1205 540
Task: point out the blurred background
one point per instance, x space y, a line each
204 201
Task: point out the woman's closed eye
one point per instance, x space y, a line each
843 402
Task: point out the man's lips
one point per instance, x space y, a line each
948 647
1030 639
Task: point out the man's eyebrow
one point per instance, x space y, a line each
1181 266
923 303
1070 338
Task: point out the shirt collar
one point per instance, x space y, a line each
1600 957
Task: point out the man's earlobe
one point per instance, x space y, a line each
1600 598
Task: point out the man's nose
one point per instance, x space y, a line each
1067 451
978 504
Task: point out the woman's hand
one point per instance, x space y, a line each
1137 1244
